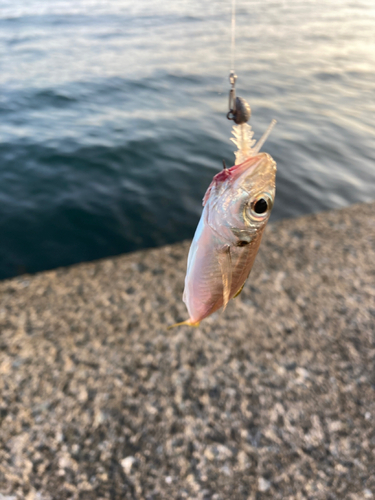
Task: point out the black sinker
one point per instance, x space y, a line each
260 206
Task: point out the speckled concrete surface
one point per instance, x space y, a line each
273 399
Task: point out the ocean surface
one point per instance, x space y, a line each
113 116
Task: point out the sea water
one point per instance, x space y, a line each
112 116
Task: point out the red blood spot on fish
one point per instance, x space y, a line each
223 175
218 178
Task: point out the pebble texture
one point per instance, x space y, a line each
272 399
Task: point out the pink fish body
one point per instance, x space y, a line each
237 206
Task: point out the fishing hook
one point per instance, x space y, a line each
239 110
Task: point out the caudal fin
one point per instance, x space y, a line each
188 322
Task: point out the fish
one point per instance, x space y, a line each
236 209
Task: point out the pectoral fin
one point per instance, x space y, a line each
225 263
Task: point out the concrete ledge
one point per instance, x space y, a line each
275 398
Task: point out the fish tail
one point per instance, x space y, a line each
188 322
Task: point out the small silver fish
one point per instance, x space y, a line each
237 206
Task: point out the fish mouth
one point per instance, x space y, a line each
258 180
260 162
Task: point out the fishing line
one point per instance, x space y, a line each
233 43
239 110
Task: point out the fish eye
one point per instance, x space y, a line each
260 206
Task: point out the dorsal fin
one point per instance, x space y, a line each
239 291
